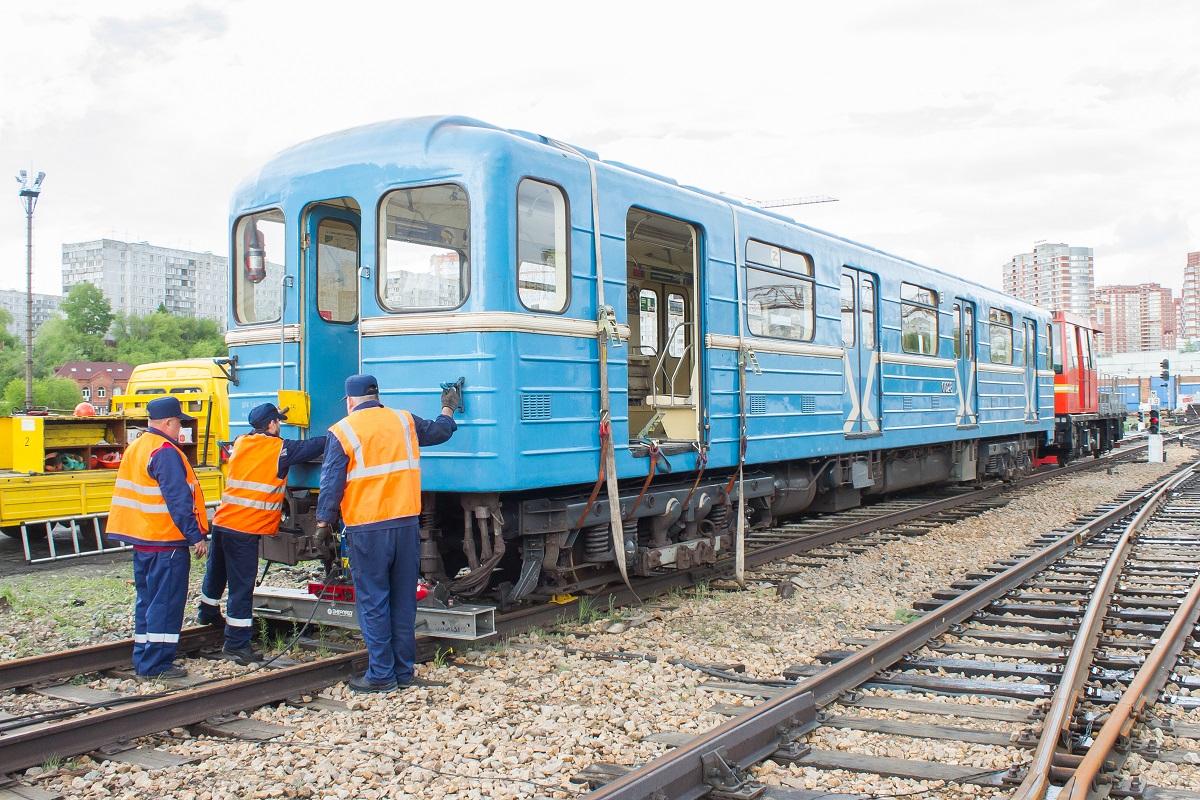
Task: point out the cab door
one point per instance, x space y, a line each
1031 377
330 313
860 348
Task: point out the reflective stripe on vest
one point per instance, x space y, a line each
253 498
139 514
383 477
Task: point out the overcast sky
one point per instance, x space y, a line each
955 133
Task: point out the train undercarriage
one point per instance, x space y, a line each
509 549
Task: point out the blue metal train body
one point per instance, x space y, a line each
836 405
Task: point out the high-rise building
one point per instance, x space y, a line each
1056 277
138 277
1135 318
13 301
1189 323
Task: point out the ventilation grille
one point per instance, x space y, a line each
907 403
808 404
535 406
935 402
758 404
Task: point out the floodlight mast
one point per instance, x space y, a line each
29 193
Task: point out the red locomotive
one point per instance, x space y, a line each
1089 417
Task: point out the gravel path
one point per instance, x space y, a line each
518 719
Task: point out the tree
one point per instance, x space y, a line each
88 310
58 394
166 337
12 352
58 341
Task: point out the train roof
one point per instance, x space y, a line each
374 147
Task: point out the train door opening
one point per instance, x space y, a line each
661 281
966 369
1031 370
860 353
329 317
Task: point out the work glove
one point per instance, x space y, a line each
451 398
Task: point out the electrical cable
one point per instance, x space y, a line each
38 717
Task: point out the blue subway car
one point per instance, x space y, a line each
752 365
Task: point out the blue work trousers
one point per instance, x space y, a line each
232 562
161 581
386 564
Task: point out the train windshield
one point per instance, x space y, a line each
423 248
259 247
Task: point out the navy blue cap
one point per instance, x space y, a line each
166 408
361 385
262 416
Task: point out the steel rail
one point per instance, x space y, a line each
93 658
1057 723
1142 690
83 734
687 772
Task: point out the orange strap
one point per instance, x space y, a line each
646 484
605 434
701 463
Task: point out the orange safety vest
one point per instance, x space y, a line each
139 514
383 478
253 497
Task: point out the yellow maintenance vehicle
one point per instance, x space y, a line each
57 470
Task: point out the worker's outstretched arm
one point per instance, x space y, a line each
434 431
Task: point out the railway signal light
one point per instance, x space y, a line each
1154 420
1166 369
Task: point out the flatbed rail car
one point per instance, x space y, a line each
1089 410
58 471
604 314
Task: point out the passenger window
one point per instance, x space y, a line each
867 295
956 333
1050 347
1057 343
847 310
918 319
779 292
969 331
424 249
675 327
543 268
648 322
1000 332
259 248
337 270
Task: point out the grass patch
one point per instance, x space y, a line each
69 605
905 615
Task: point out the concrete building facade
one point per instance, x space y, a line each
1189 323
45 306
1135 318
1055 276
138 277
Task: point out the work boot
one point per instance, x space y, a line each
172 672
359 683
245 656
207 615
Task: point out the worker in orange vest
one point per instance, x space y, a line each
372 477
251 507
158 507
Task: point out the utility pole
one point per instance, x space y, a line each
29 196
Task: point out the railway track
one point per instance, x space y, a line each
85 727
1072 642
